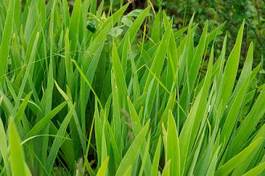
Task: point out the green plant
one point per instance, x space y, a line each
230 12
133 96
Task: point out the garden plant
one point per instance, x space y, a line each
90 91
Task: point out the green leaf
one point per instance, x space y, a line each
17 161
155 164
3 146
159 57
58 142
103 168
118 72
231 68
6 38
192 124
256 170
137 24
173 149
212 167
166 170
248 125
239 159
74 23
133 152
22 107
46 120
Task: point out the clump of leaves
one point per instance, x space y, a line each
147 101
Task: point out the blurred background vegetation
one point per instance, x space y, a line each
216 12
232 12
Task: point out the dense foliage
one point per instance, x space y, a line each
232 13
96 92
229 13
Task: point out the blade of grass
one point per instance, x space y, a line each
17 161
4 147
155 164
57 143
258 170
103 168
6 38
45 120
248 125
243 156
133 152
173 148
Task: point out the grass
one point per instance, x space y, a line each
102 93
